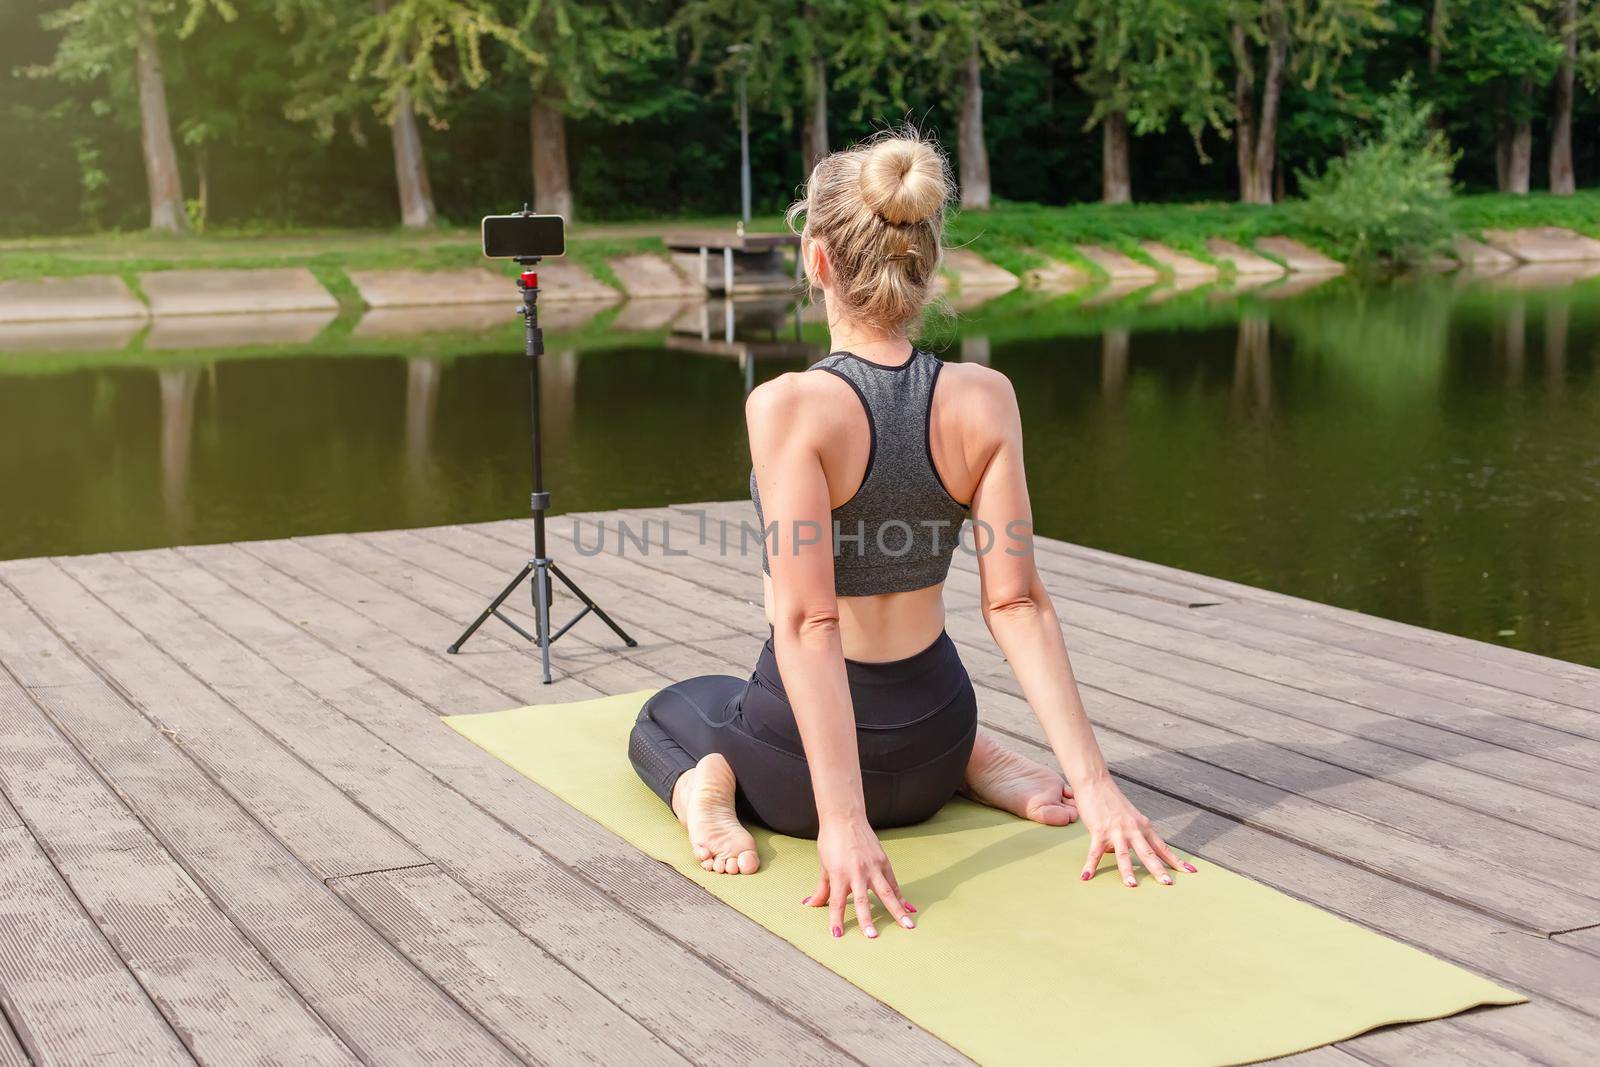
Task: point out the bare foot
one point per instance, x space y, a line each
1002 779
703 802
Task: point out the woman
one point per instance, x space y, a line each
859 714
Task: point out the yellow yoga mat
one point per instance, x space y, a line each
1014 958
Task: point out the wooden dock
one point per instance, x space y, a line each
233 829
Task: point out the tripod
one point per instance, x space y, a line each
541 566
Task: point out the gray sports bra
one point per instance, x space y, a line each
901 527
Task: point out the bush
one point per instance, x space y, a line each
1386 203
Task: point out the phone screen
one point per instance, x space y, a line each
508 236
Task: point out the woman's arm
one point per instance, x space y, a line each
1023 620
789 419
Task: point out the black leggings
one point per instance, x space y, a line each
916 720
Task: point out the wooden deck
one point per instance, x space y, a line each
232 828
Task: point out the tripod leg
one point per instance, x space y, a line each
541 611
490 610
596 608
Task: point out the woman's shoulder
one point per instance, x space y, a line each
977 390
798 401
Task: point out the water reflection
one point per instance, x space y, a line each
1252 365
1393 450
177 389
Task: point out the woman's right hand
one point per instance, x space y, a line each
853 864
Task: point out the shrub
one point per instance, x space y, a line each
1386 202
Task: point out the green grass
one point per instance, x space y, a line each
329 254
1018 237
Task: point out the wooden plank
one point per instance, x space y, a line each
452 577
64 988
327 831
692 917
1279 638
1405 911
508 982
1469 789
213 985
603 943
1141 623
1206 683
372 998
359 612
1458 664
12 1054
1484 651
1587 939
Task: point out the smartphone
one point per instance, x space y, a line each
514 236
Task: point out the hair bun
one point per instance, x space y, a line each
903 179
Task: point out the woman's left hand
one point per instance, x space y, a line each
1115 825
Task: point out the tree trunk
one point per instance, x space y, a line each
202 174
971 156
1562 182
552 180
1266 146
1436 21
814 139
1517 144
1244 106
161 175
410 169
1116 184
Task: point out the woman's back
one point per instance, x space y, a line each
903 444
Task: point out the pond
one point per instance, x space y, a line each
1428 451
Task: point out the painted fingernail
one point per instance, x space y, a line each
837 932
905 920
805 900
1191 868
1133 883
1166 880
1084 876
872 931
906 904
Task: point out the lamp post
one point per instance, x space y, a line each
741 52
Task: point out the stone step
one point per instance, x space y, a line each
1055 276
972 271
1544 244
653 276
1300 258
93 296
1244 262
1481 257
1177 264
1118 267
234 292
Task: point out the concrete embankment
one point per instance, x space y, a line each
31 306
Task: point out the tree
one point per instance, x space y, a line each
573 50
409 56
1386 201
1497 52
1270 40
790 43
1144 62
103 38
965 36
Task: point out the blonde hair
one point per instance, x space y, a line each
878 210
